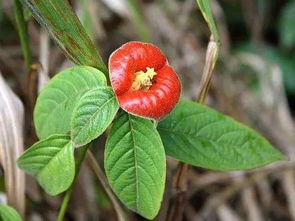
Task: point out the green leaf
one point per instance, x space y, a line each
52 162
53 110
7 213
201 136
66 29
286 25
207 14
93 114
135 164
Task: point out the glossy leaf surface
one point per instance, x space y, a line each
53 110
93 114
52 162
135 164
202 137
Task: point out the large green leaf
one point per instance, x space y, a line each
135 164
52 114
7 213
93 114
66 29
201 136
52 162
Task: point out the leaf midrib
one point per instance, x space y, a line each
94 114
135 162
59 104
212 141
53 157
199 136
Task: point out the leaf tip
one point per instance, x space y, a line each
284 157
19 162
77 144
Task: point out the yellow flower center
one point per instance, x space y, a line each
143 80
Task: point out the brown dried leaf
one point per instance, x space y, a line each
11 145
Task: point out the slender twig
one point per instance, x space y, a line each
65 204
23 33
122 216
44 59
68 194
211 58
180 179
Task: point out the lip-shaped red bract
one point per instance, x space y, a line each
161 97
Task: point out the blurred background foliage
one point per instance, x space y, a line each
254 82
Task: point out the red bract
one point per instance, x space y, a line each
143 81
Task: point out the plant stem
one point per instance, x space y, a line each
176 207
65 204
68 194
23 33
211 58
122 216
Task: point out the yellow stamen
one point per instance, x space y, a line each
143 80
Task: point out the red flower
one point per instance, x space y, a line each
143 81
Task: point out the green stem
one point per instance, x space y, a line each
68 194
65 204
23 33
